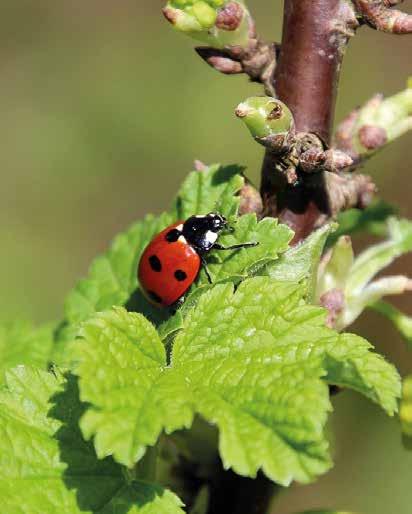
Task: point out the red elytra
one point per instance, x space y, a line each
167 270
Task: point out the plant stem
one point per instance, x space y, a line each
315 34
146 467
307 71
233 494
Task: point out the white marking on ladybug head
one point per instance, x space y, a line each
182 239
180 227
211 237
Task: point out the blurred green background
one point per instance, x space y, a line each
103 109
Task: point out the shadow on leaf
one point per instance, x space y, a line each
138 303
101 485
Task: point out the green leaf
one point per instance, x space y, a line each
371 220
236 265
46 467
113 276
377 257
354 276
254 360
350 363
64 335
301 262
211 190
21 343
401 321
134 396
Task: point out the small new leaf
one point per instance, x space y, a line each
45 465
301 262
376 123
377 257
213 189
340 270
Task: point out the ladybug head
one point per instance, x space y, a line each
216 222
202 231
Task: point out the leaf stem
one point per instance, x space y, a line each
147 466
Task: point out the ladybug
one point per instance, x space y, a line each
172 260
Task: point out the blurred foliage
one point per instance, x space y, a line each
371 220
104 108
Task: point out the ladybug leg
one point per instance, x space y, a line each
217 246
209 277
178 303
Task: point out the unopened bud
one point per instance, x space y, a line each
250 200
336 160
220 61
218 23
265 117
230 17
378 122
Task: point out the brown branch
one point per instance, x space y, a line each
315 35
379 15
314 39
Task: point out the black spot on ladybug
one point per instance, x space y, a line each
180 275
155 263
155 297
173 235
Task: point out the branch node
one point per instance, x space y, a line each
331 160
346 191
257 60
